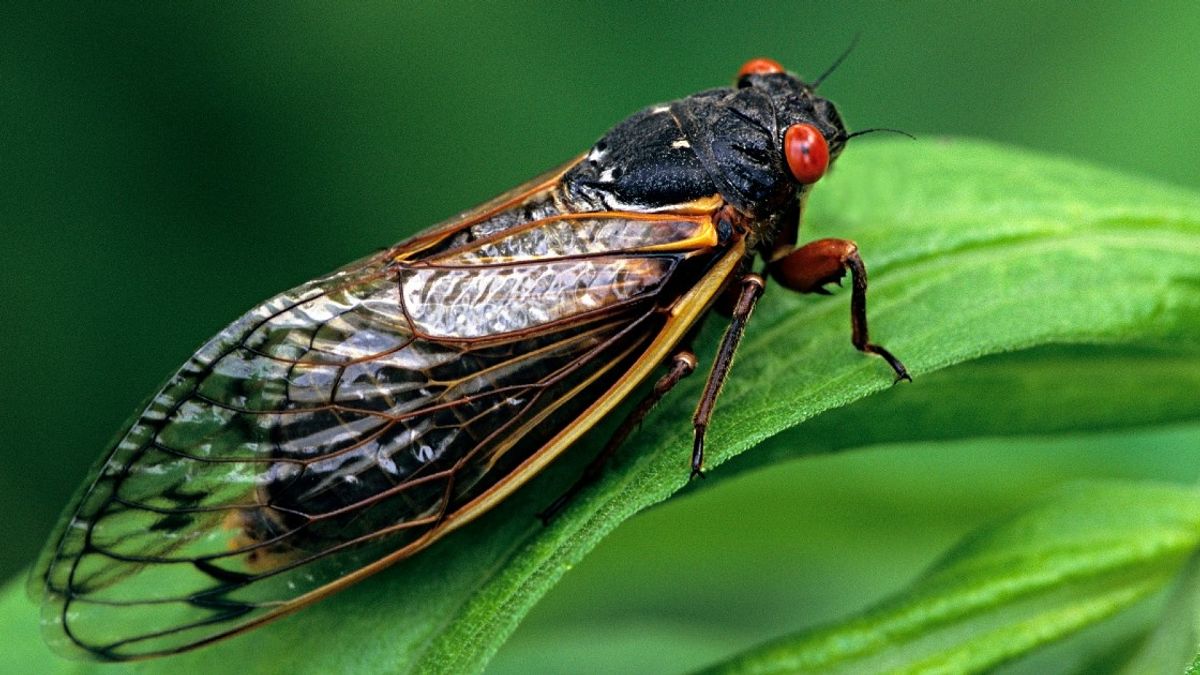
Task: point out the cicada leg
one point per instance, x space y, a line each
809 268
682 365
751 291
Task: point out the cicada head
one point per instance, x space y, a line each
757 145
774 137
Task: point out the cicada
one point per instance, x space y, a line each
352 421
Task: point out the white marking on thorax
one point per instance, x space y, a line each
681 143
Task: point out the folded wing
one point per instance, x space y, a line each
337 426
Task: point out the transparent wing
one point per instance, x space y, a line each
336 426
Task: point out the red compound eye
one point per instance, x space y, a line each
760 66
807 153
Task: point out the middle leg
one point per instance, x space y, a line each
682 365
751 290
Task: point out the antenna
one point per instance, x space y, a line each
873 130
828 71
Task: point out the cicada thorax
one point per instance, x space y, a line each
731 149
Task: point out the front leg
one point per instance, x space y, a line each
807 270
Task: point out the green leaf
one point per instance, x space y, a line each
1047 390
973 250
1171 645
813 542
1081 556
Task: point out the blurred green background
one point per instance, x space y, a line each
165 168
